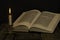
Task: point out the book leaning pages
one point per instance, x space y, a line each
34 20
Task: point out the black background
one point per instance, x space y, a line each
23 5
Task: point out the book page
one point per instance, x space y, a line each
47 21
27 18
39 30
44 19
21 28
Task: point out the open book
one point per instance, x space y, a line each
34 20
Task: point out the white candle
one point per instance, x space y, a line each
9 10
10 17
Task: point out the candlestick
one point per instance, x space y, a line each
10 17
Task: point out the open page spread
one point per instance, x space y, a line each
34 20
27 18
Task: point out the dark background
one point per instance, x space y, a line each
23 5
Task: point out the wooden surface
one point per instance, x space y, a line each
5 35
